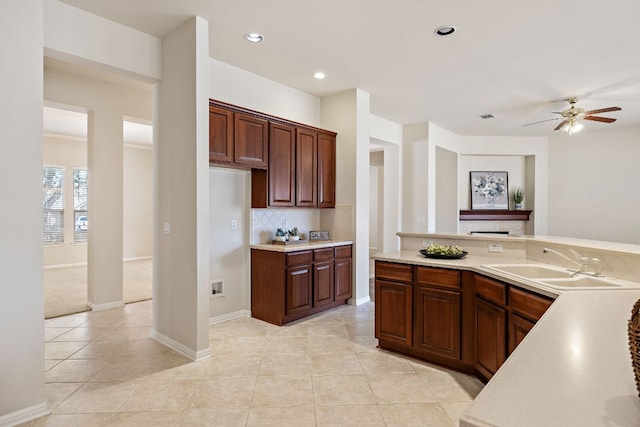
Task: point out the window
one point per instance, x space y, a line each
80 191
53 204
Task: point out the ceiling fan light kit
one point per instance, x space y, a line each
573 115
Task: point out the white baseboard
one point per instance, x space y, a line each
105 306
229 316
54 266
140 258
24 415
180 348
359 301
83 264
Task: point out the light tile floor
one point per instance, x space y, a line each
102 369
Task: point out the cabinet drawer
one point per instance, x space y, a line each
343 251
438 277
393 271
297 258
323 254
491 290
527 303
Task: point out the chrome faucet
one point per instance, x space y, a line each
582 262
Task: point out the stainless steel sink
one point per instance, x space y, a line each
532 271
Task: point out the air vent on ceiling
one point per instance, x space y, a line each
486 116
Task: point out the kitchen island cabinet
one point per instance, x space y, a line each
287 286
455 318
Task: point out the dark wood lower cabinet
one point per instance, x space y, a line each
457 319
438 316
298 289
292 285
491 348
323 278
519 327
394 312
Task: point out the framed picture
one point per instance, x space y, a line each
489 190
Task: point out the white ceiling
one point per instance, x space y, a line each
516 59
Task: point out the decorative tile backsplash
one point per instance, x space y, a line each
265 222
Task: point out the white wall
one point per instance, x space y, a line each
73 35
592 181
181 192
239 87
137 202
347 113
22 394
446 191
229 260
415 178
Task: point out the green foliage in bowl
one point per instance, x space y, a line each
444 250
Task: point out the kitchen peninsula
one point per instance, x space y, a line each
573 367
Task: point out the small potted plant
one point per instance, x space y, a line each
293 234
281 235
518 197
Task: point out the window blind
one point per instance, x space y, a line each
53 204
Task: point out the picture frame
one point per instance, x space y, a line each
489 190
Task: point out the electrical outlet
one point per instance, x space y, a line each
166 228
421 220
495 248
234 224
426 243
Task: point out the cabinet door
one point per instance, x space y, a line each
343 278
519 327
306 168
220 135
298 292
282 146
437 328
394 312
323 283
490 337
326 170
251 141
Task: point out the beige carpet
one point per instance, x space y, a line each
65 289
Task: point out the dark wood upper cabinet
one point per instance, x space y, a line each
291 164
220 135
306 179
251 141
326 170
281 172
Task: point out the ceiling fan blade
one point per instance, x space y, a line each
542 121
603 110
599 119
562 123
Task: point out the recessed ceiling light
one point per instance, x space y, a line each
445 30
320 75
254 37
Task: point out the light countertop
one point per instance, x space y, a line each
573 368
302 246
